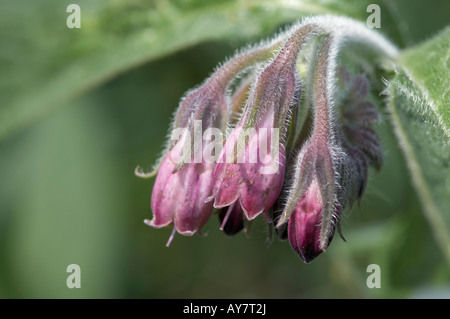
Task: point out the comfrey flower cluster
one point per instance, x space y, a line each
239 145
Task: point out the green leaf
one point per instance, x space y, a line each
47 63
420 103
429 65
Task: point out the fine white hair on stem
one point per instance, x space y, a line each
225 72
340 32
344 29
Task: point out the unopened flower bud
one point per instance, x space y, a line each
311 206
184 180
257 183
358 116
179 197
305 222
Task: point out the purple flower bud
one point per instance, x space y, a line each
254 178
256 182
331 171
305 223
358 116
367 140
311 206
363 112
183 186
179 197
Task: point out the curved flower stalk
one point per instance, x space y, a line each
328 163
331 169
310 205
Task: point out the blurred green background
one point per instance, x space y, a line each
69 145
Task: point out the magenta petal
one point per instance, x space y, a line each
304 225
257 182
260 191
226 177
180 197
196 185
162 205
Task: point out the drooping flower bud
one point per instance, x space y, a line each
185 176
304 224
256 182
359 115
310 206
180 197
252 176
331 171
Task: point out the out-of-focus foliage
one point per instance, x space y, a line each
80 108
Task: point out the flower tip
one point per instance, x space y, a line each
148 222
209 199
308 257
138 171
252 214
283 219
310 251
220 202
155 223
187 232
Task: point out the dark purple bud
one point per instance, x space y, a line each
367 140
360 88
359 115
353 171
363 113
